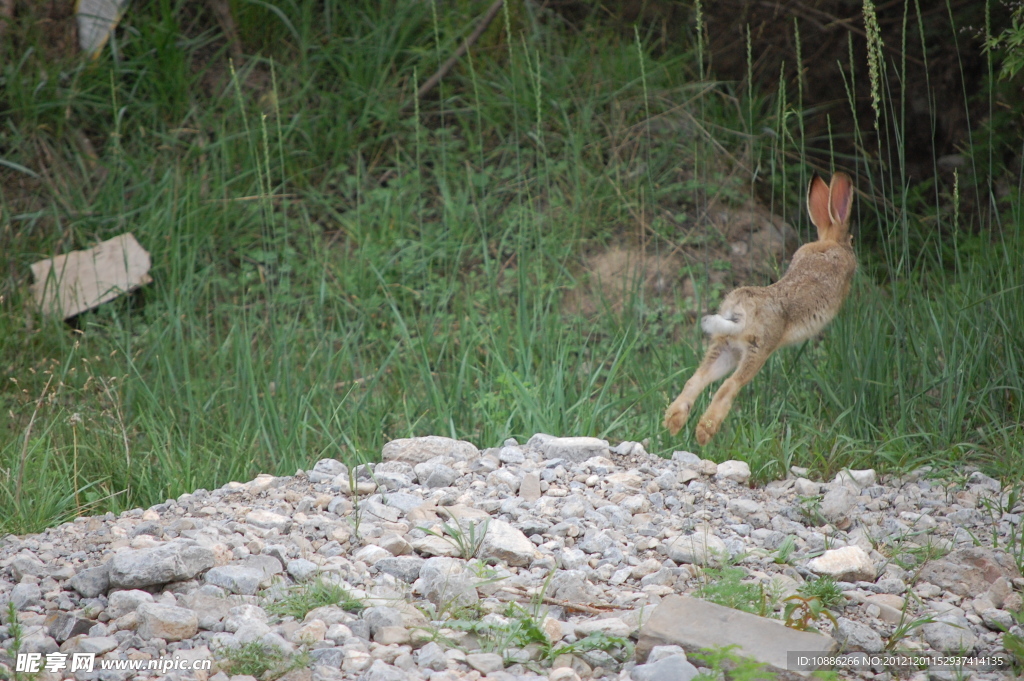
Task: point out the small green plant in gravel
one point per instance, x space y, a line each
725 586
301 598
803 612
810 509
465 535
722 661
825 588
785 550
17 634
259 661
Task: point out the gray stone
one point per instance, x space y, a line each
997 620
745 507
575 449
405 568
302 570
529 487
120 603
267 565
570 585
328 657
837 504
420 449
950 634
326 470
235 578
504 543
382 616
700 548
433 474
268 520
686 458
38 643
432 657
403 501
168 622
91 582
447 583
485 663
25 595
382 671
970 571
671 668
67 625
97 645
26 564
857 637
694 624
171 562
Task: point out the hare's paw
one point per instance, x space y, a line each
676 416
706 430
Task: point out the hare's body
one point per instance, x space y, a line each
753 322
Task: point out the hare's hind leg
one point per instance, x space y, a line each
751 361
720 359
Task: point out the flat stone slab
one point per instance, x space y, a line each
696 625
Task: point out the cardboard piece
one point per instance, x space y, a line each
67 285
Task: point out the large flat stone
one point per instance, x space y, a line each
696 625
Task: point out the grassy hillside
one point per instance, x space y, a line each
337 263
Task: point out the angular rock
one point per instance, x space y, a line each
120 603
168 622
574 449
25 595
433 474
91 582
405 568
68 625
504 543
26 565
693 624
171 562
950 634
700 548
302 570
671 668
421 449
447 584
837 504
235 578
970 571
737 471
382 616
859 479
857 637
268 520
848 564
485 663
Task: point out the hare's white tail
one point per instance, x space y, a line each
717 325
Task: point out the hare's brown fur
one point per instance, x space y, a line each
753 322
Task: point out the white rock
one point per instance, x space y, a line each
848 564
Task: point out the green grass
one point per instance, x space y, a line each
302 598
334 267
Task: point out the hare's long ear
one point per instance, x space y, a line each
818 205
840 198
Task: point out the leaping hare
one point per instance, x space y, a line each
754 321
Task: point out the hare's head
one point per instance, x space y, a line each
829 206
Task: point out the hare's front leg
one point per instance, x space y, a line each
720 359
751 361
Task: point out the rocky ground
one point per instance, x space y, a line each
555 559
